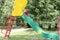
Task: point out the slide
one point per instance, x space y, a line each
39 30
18 8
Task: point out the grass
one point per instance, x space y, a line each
26 35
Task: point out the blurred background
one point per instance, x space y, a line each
44 12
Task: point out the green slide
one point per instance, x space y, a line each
39 30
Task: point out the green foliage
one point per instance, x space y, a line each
42 11
5 9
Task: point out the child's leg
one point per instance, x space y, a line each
9 33
9 30
6 34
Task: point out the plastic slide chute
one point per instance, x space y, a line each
38 29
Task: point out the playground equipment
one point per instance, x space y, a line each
18 8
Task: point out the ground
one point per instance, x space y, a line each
23 34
